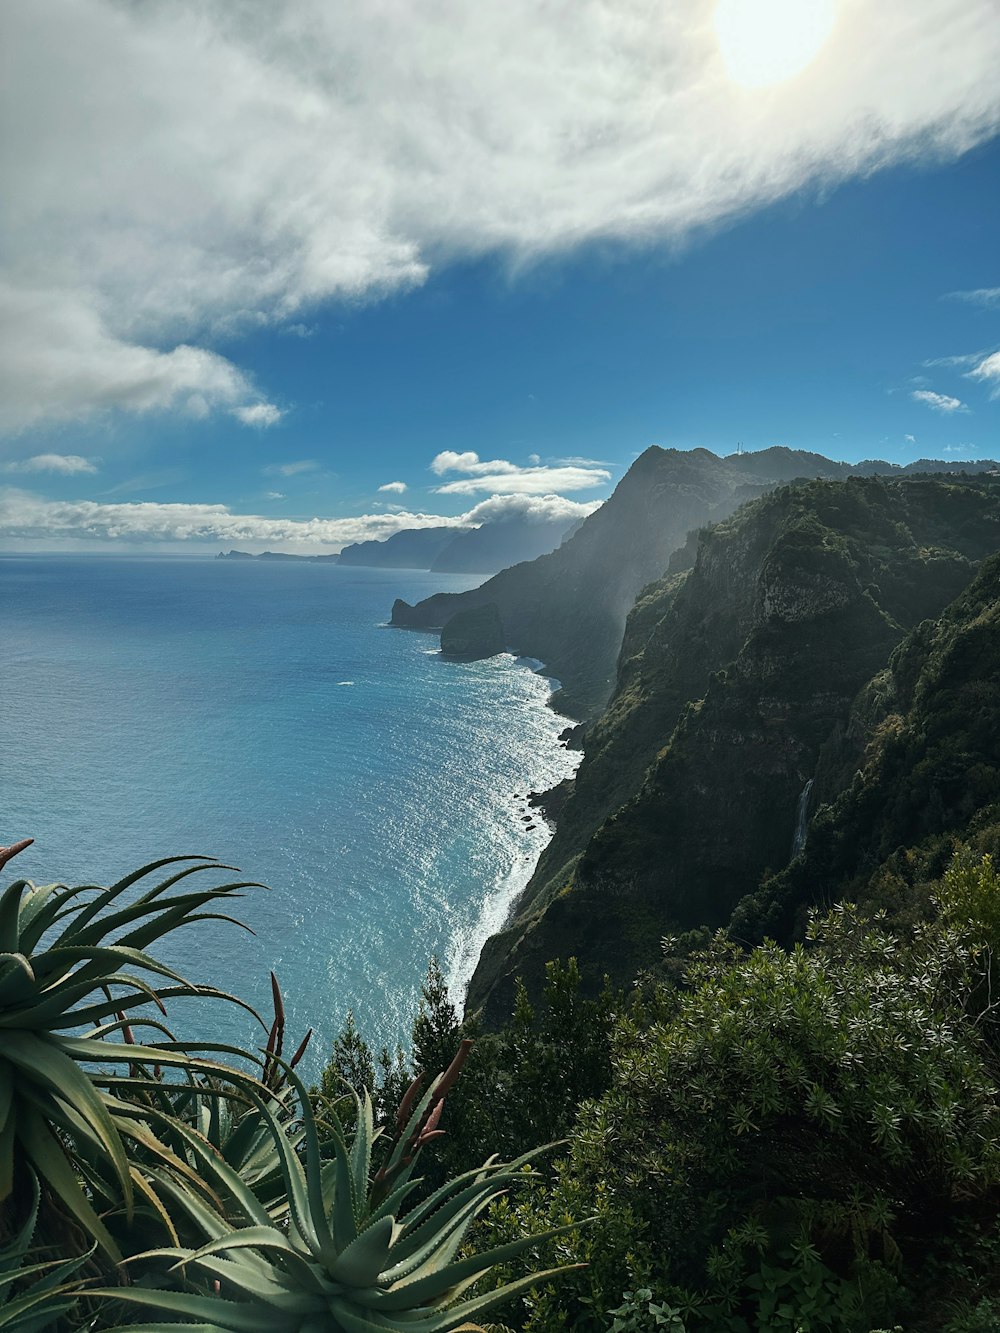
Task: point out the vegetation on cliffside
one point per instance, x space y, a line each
736 677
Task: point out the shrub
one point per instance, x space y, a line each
773 1146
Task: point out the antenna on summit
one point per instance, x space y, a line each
739 447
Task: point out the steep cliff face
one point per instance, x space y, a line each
496 545
568 608
415 548
916 766
733 677
472 634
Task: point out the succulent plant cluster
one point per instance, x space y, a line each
199 1184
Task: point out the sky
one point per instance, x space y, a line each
293 276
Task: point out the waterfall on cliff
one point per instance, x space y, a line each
801 820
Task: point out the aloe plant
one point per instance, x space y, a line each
346 1261
74 967
31 1307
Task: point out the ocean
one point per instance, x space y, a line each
264 714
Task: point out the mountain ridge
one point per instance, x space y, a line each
568 609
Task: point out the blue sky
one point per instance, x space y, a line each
193 368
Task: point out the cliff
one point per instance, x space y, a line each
915 767
500 543
738 671
473 634
415 548
568 608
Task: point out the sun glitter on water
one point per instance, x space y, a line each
764 42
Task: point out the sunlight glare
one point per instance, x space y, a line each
764 42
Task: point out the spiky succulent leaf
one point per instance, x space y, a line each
71 958
36 1306
377 1273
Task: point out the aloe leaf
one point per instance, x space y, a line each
58 902
145 905
222 1173
172 1327
454 1316
423 1290
17 1248
12 1314
45 1063
144 1187
177 915
7 1132
259 1237
313 1229
94 959
215 1312
487 1174
10 911
107 896
361 1149
356 1321
49 1160
440 1247
134 1024
38 913
17 979
252 1280
209 1218
6 1091
363 1260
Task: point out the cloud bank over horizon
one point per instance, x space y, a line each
178 174
29 519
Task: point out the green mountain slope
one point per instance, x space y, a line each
735 677
917 765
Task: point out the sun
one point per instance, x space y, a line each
764 42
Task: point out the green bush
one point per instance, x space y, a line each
775 1142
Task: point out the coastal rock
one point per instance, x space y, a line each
474 634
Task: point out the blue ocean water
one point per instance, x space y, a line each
263 713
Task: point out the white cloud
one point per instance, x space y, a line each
961 362
394 487
258 414
988 372
61 362
940 402
532 508
987 296
497 476
450 461
291 469
68 464
910 439
528 481
274 495
28 517
176 171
